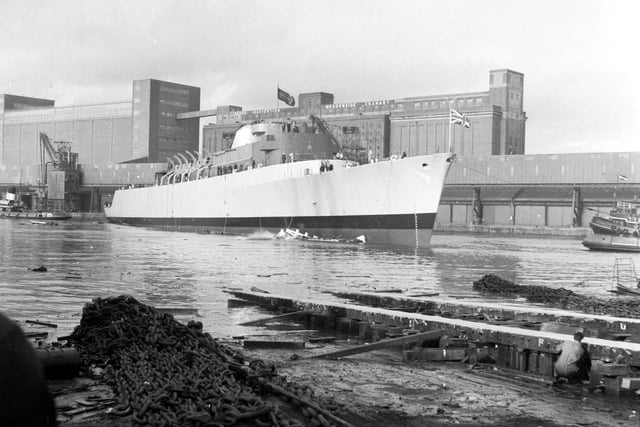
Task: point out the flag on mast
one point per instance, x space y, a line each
286 98
458 119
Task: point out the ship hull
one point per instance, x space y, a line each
609 242
391 202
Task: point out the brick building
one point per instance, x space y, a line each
415 125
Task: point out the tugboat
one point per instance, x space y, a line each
618 231
621 221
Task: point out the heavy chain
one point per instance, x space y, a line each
168 374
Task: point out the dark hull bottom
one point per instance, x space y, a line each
395 230
607 242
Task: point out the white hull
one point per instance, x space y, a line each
391 202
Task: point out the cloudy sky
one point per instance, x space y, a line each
580 57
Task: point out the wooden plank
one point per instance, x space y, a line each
437 354
273 344
321 339
560 328
409 339
285 316
234 302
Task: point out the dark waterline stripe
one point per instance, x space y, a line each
423 221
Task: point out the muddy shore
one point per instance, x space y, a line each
372 388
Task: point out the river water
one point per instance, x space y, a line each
85 260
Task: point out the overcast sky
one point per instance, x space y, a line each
580 58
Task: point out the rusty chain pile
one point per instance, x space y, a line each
561 297
168 374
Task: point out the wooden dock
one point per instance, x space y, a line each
522 348
598 326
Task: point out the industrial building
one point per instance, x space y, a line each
131 142
415 126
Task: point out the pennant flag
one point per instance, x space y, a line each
286 98
458 119
622 178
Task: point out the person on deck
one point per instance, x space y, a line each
574 362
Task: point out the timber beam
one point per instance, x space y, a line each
487 333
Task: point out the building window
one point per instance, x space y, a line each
491 79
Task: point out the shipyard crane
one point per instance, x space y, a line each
349 151
64 163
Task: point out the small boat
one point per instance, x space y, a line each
611 242
622 220
53 216
37 216
290 234
40 222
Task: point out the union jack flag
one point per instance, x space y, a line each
458 119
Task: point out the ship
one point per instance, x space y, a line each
11 207
279 175
611 242
622 220
617 231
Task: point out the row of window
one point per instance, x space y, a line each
373 106
174 90
174 103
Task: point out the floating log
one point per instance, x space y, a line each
37 322
36 335
409 339
285 316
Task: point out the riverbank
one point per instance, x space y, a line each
378 387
